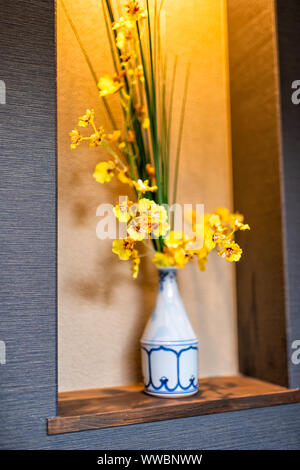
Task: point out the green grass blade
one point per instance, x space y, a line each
153 129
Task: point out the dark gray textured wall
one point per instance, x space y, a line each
28 271
288 26
28 219
266 428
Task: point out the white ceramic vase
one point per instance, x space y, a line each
169 345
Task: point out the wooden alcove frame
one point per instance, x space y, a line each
265 143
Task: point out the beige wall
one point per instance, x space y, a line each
101 311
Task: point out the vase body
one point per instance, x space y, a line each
169 346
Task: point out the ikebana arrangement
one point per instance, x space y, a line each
140 156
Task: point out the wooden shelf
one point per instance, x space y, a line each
120 406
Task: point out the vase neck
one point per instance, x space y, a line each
168 282
169 321
167 274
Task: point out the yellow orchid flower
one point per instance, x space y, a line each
123 247
236 221
109 85
244 227
138 229
140 208
134 11
121 39
123 22
135 264
137 73
231 251
214 222
159 229
126 57
114 136
96 139
75 138
150 170
202 264
143 206
122 176
162 260
121 210
146 123
174 240
158 220
104 172
87 118
201 253
143 186
122 145
181 257
151 215
213 238
202 258
209 239
125 33
223 213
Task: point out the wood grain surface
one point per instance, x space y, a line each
120 406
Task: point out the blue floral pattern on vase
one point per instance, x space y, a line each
167 385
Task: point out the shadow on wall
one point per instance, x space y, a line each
98 288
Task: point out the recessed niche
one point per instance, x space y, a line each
101 310
231 149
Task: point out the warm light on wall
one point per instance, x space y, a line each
101 311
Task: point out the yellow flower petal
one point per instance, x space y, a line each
215 221
150 170
158 220
122 176
223 213
135 264
138 229
181 257
75 138
202 264
244 227
96 139
104 172
162 260
123 247
231 252
134 11
237 222
121 210
143 186
144 205
87 118
114 136
209 239
146 123
175 239
109 85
